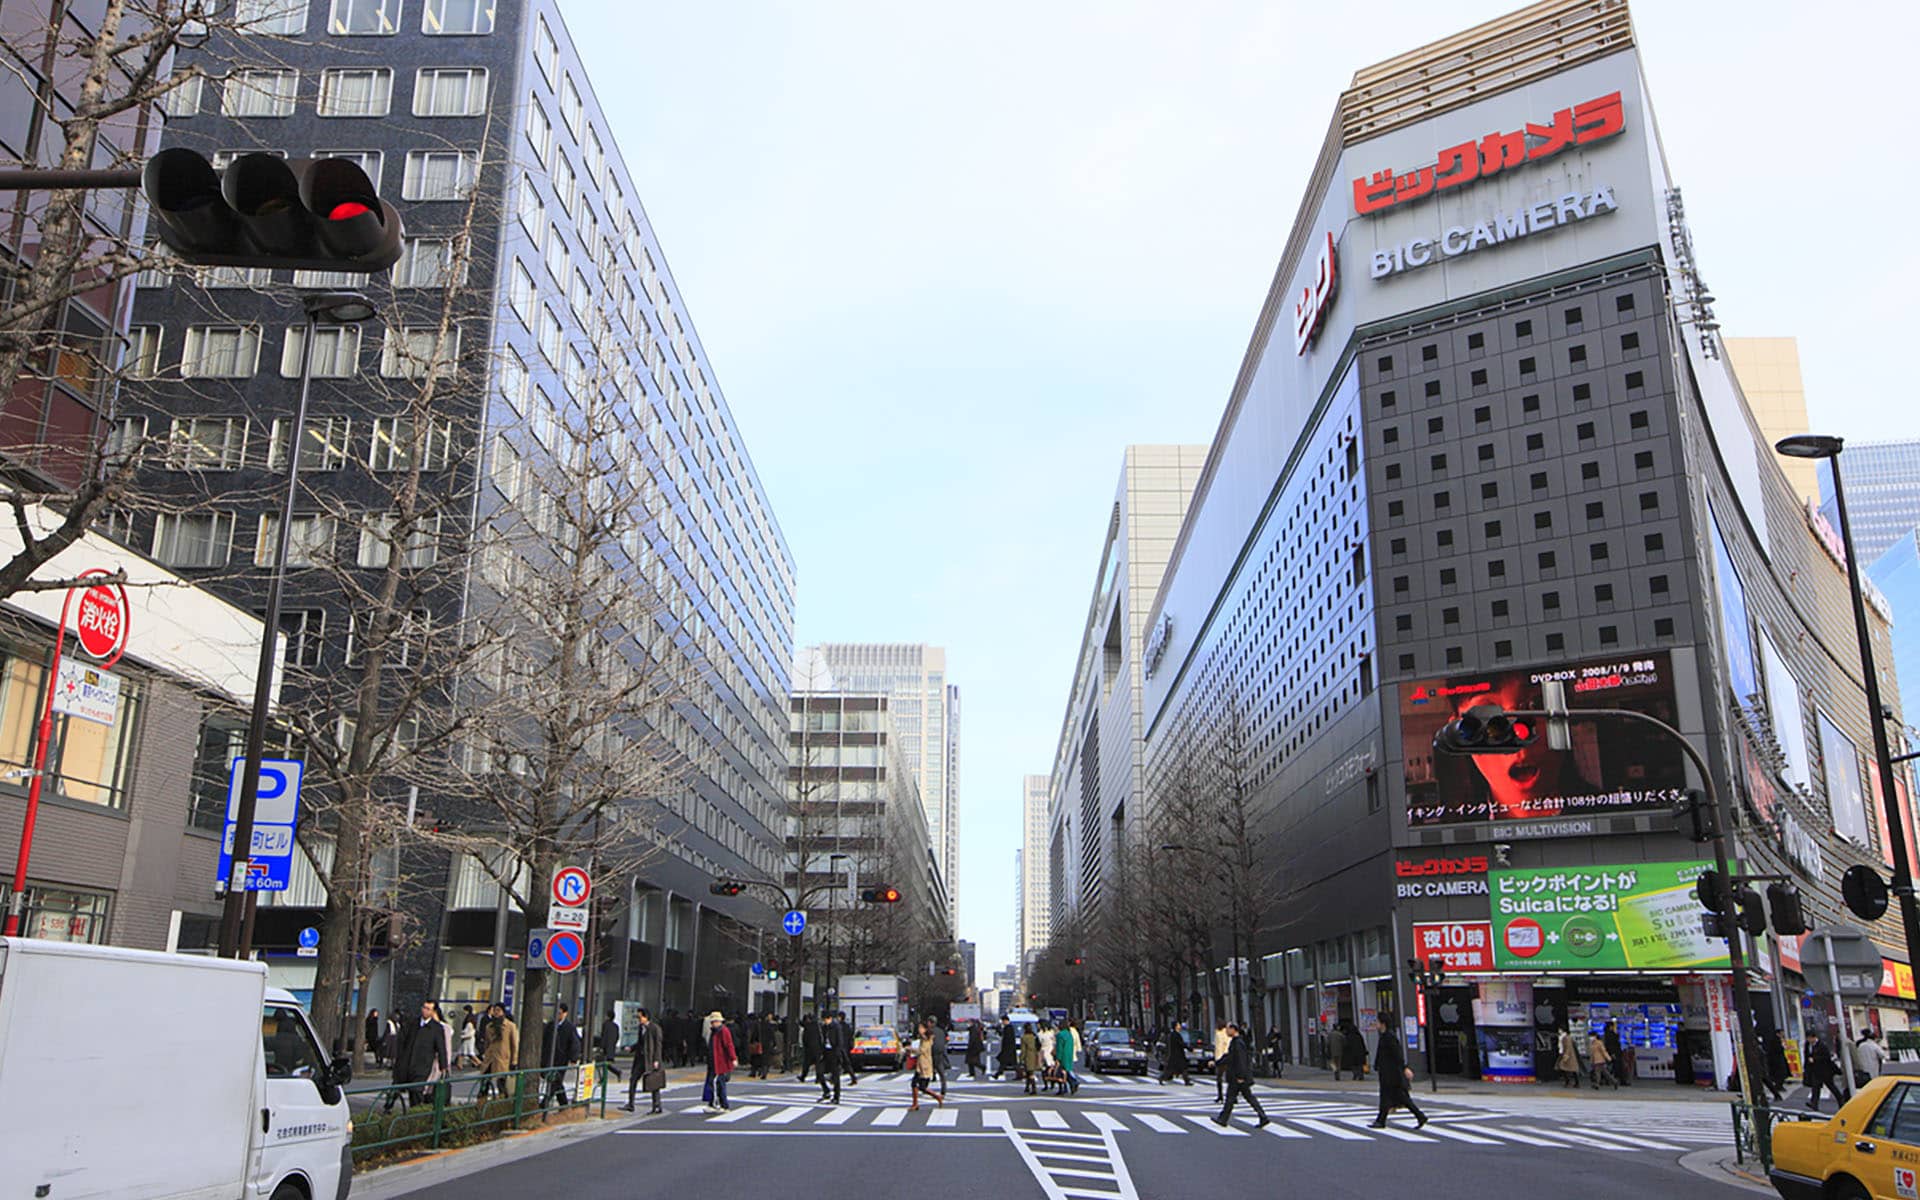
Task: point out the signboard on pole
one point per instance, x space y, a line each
537 947
1637 916
561 917
309 946
275 814
565 951
795 922
86 692
571 886
101 622
507 980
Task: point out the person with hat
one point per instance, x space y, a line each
721 1058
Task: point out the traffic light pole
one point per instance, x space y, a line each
1746 1050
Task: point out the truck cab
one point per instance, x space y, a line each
305 1148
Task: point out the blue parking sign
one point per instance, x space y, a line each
276 811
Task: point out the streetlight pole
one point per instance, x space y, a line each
338 308
1822 446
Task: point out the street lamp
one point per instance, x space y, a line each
336 308
1826 446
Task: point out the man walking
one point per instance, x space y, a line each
722 1056
831 1059
1009 1052
649 1063
1222 1040
1396 1077
941 1064
610 1043
560 1049
1235 1069
811 1045
976 1049
1174 1057
421 1056
1336 1049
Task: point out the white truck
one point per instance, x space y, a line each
133 1075
874 1000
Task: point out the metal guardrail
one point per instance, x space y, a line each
1753 1129
462 1110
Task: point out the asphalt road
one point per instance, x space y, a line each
1123 1139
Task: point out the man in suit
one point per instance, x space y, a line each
421 1056
1235 1070
610 1043
560 1050
812 1047
649 1062
834 1056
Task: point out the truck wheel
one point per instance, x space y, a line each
289 1190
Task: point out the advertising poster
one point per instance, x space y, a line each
1613 767
1503 1025
1640 916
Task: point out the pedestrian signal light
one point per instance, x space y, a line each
308 214
726 887
1707 890
949 971
880 895
1715 925
1789 918
1753 914
1076 961
1486 729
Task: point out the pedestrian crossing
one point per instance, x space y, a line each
1060 1128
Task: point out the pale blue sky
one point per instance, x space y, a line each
948 261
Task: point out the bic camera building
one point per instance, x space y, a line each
1483 436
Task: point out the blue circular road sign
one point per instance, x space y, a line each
759 968
565 950
795 922
309 937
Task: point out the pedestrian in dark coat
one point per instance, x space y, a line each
1353 1051
1611 1040
1009 1054
610 1043
649 1068
1175 1061
559 1049
1823 1073
1778 1072
832 1058
421 1056
1396 1077
376 1034
1236 1074
812 1047
976 1049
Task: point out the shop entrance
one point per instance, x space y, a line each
1450 1023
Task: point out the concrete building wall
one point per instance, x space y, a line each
1768 369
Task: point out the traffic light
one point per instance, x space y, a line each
880 895
726 887
1753 914
1715 925
307 214
948 971
1789 918
1707 889
1076 961
1486 729
1695 817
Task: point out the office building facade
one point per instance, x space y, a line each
1035 899
1484 436
926 716
1768 372
531 290
1096 791
1883 493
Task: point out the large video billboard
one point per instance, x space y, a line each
1614 767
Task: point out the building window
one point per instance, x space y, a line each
596 156
546 52
430 262
539 130
309 544
393 444
235 277
126 437
1523 329
552 338
414 353
336 351
570 106
1623 303
450 91
195 540
183 98
355 92
143 351
377 541
450 17
521 293
1663 627
438 174
325 443
566 185
559 258
580 297
59 915
207 444
369 161
374 18
1537 481
513 379
260 93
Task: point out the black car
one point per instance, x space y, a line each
1115 1050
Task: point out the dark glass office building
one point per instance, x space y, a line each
1483 438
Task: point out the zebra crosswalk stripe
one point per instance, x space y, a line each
1207 1124
1157 1123
889 1117
1577 1139
1331 1130
945 1118
789 1115
837 1116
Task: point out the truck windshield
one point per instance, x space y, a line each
290 1048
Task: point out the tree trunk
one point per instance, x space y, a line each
346 884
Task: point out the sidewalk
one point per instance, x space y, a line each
1718 1165
1641 1090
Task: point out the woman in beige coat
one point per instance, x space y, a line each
1568 1064
1597 1060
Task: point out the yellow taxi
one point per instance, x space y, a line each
1869 1150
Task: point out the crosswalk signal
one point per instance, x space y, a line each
1715 925
305 214
880 895
1694 816
1789 917
1486 729
1753 914
1076 961
726 887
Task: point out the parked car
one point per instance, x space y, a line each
1114 1050
877 1046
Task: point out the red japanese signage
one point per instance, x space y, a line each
1472 864
1310 308
1581 125
1456 945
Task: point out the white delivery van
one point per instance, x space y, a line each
138 1076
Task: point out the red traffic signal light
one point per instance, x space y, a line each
948 971
264 211
1076 961
1486 729
880 895
726 887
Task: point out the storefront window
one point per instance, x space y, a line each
58 915
86 761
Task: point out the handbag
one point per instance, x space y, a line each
654 1080
755 1048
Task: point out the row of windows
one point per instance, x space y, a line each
198 540
220 443
344 92
1596 510
1573 319
364 18
1477 384
233 352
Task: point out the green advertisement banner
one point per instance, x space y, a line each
1637 916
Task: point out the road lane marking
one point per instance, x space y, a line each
1576 1138
1281 1131
1434 1128
944 1118
1106 1122
1207 1124
837 1116
1331 1130
789 1115
889 1117
1046 1118
739 1112
1157 1123
1388 1131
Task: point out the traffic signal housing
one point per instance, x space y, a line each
1486 729
883 894
1695 817
304 214
1789 918
1753 913
726 887
1076 961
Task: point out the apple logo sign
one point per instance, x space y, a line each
1450 1012
1543 1014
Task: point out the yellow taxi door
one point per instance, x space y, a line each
1884 1155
